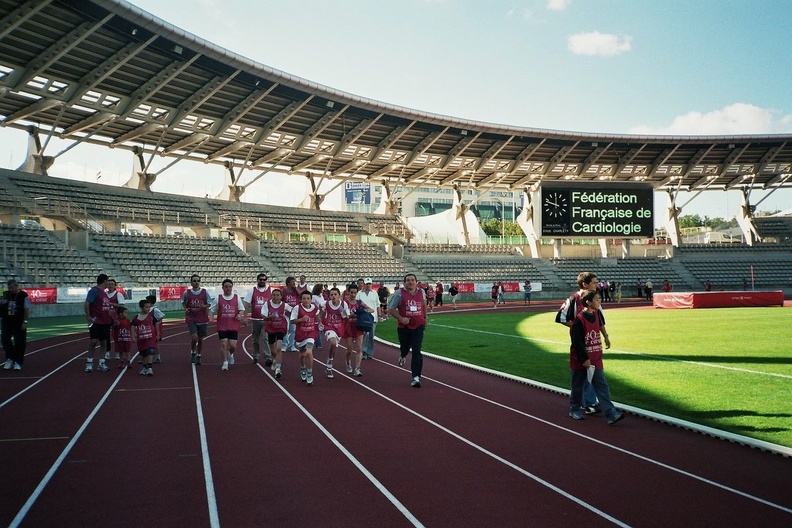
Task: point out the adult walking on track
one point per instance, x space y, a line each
408 306
14 311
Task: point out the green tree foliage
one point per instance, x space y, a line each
494 227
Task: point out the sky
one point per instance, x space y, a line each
625 67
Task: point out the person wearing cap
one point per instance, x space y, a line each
370 299
14 311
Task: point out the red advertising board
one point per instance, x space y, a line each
171 293
465 287
510 287
42 295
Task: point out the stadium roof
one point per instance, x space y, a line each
109 73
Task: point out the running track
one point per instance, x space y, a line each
194 446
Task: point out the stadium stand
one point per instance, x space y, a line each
775 227
330 262
157 259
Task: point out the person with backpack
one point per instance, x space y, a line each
587 281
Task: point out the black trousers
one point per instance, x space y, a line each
411 340
14 341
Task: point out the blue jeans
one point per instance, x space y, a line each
600 386
368 342
288 339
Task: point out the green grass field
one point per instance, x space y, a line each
730 369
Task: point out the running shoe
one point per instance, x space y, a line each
102 367
576 414
17 366
117 356
278 373
143 371
8 365
309 380
107 355
198 359
149 371
303 374
401 360
618 416
230 359
349 367
272 367
416 382
268 362
592 409
158 359
330 373
89 367
358 373
255 361
225 366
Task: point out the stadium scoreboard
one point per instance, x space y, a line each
594 210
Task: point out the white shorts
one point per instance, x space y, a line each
304 344
331 334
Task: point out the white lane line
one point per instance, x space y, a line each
37 492
597 441
487 452
370 476
23 391
211 498
624 352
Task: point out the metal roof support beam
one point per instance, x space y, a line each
320 125
185 142
96 119
278 120
354 134
559 157
20 15
239 111
388 142
425 144
313 160
142 130
491 152
355 165
228 149
768 158
57 50
198 98
153 85
592 158
661 159
41 105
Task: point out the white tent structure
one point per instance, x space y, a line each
448 227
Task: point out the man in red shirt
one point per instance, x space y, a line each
408 306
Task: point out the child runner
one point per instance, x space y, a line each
318 300
159 316
354 337
305 318
430 297
334 325
275 325
585 352
116 300
230 311
144 332
122 334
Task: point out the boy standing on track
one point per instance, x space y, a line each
123 337
196 302
305 318
586 352
408 306
116 300
158 317
230 312
97 314
144 331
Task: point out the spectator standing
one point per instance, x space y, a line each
14 311
648 287
97 314
453 291
527 288
667 286
408 306
116 300
369 298
585 360
255 301
494 294
501 293
196 303
302 285
438 294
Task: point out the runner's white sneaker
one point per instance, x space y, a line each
225 366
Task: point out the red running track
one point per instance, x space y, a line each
194 446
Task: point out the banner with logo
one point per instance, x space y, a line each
171 293
42 295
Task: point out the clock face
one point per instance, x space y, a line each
555 205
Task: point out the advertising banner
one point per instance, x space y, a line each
171 293
42 295
357 193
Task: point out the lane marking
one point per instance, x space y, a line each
586 437
211 498
370 476
154 389
624 352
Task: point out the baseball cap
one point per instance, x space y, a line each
368 280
